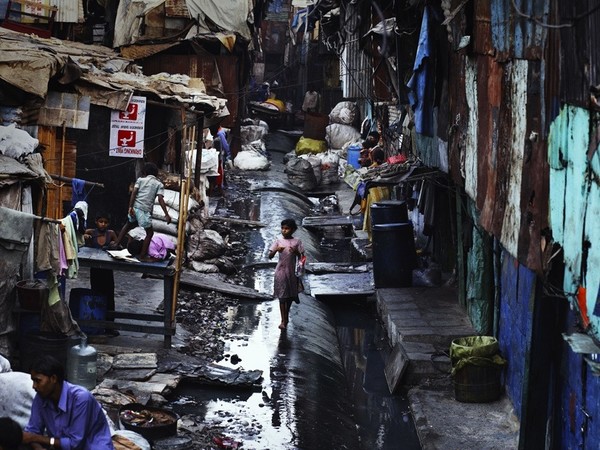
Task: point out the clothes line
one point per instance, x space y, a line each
21 213
67 179
45 219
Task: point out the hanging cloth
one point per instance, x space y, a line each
78 188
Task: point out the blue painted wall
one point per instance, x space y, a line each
514 335
579 391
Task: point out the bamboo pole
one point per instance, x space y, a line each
184 190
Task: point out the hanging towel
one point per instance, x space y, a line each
16 229
77 186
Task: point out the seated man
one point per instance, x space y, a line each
64 415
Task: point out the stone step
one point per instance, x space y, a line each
425 362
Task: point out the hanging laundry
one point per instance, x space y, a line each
78 188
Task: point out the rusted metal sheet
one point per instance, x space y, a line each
514 33
575 203
137 52
504 170
482 27
512 215
579 68
176 8
490 97
229 72
469 166
533 237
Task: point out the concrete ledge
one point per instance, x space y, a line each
444 423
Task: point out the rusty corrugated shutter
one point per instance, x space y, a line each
355 65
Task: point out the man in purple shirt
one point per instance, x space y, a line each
64 415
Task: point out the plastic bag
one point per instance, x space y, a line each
301 266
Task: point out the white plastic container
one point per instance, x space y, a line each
81 365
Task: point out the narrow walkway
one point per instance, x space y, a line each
424 321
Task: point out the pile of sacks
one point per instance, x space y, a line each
317 162
253 154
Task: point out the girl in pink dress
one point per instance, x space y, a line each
286 284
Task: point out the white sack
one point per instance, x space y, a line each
337 134
15 142
171 198
343 112
251 160
16 396
209 164
329 168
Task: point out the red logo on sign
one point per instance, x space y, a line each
131 113
126 138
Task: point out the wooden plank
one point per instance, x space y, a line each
203 281
396 367
323 268
132 374
248 223
135 361
327 221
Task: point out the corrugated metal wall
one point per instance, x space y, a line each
580 44
496 142
355 65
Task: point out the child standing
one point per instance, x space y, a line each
141 202
102 281
286 284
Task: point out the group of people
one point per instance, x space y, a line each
63 415
155 246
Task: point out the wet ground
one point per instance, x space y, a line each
324 384
323 381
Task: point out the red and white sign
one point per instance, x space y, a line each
127 130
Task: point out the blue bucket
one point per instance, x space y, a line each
86 304
354 156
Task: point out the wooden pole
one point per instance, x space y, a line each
69 180
62 170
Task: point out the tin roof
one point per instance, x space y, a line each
30 64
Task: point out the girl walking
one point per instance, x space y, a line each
286 284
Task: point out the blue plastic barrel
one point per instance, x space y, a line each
354 155
85 304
